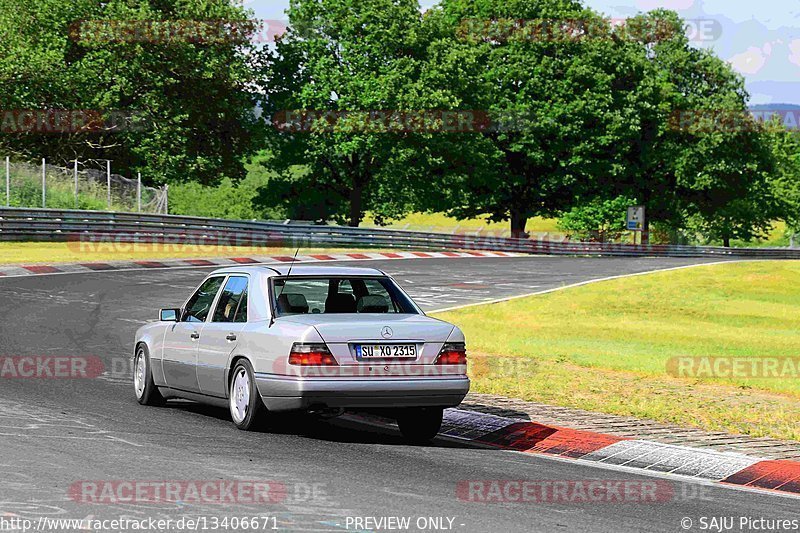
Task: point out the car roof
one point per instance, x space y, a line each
300 270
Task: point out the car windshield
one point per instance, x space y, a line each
329 295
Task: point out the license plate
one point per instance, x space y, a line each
386 351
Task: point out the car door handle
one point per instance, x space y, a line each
195 335
231 337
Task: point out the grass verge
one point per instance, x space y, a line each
607 346
440 223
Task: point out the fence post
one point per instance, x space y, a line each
166 198
75 173
44 183
138 192
108 182
8 181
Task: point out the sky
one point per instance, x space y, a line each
761 39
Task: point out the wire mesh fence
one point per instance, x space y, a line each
86 185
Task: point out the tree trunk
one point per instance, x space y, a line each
518 223
726 241
646 229
356 199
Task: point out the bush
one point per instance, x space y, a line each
227 200
26 191
597 221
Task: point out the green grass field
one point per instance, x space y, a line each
437 222
779 237
606 346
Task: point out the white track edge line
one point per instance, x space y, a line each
590 282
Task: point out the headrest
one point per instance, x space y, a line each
373 304
290 303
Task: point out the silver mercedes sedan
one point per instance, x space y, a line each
269 339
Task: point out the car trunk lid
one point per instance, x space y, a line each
343 332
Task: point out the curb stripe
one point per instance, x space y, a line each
14 271
521 436
150 264
42 269
537 438
199 262
780 475
650 457
97 266
669 458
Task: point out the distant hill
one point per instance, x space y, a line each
788 113
775 107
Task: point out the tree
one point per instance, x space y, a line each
785 181
597 220
687 163
185 70
557 97
727 176
344 88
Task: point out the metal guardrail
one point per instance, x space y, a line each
106 228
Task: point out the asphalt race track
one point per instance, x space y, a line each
55 433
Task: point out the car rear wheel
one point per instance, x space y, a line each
247 408
146 391
420 426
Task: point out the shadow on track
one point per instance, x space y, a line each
312 427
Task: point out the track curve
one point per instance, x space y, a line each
55 433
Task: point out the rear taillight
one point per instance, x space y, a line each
453 353
311 355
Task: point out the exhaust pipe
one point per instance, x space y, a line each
325 412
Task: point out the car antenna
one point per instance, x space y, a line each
289 273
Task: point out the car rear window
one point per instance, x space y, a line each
336 295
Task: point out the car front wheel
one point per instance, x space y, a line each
420 426
247 408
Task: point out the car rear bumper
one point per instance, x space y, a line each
283 393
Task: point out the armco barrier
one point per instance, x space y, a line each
18 224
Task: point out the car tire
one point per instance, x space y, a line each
247 409
146 391
420 426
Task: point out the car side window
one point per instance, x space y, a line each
241 313
199 304
230 300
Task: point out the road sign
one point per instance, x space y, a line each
636 218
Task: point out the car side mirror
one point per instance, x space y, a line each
170 315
